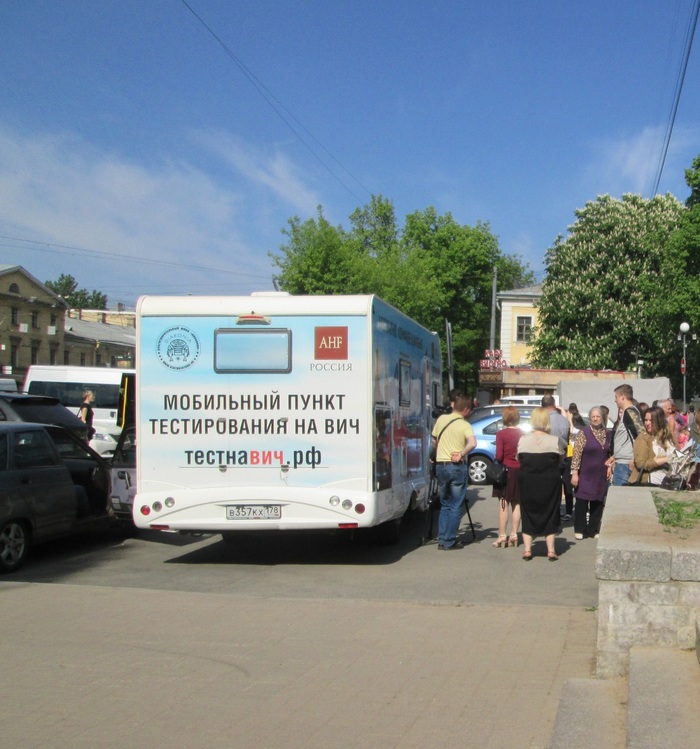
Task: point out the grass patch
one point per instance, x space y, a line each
677 511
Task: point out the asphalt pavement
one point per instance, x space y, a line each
91 665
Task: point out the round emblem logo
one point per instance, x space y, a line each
178 348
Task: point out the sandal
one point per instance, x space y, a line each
513 540
552 556
527 556
501 542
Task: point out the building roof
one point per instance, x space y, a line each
6 269
530 292
100 332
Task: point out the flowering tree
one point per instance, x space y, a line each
611 287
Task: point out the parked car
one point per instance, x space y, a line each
51 484
40 409
481 412
123 465
44 409
484 454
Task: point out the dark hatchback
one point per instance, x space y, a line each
51 484
40 409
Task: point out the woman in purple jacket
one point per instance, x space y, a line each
589 475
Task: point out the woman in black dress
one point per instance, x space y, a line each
540 455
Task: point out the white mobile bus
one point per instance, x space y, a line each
281 412
67 383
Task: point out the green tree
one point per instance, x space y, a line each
684 267
610 287
67 287
432 269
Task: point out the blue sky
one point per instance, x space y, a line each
137 155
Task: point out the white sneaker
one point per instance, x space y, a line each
579 536
596 535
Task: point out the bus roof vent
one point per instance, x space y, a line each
252 319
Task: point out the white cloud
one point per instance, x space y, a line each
65 192
275 172
630 165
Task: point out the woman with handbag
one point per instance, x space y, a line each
652 449
540 454
508 492
589 475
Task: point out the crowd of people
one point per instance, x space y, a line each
564 455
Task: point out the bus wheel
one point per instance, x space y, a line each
228 538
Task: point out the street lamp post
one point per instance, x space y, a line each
682 338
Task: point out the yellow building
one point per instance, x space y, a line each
507 370
37 327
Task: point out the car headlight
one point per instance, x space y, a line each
103 437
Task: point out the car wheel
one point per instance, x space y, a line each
14 545
477 469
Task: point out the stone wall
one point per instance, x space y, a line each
648 581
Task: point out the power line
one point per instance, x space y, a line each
70 250
690 35
279 108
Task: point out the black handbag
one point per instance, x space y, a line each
673 483
497 474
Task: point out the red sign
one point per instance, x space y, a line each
683 365
331 342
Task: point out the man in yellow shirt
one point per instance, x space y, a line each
454 438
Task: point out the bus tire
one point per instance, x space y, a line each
228 538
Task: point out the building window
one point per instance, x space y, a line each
35 320
14 356
54 319
82 358
14 316
53 355
35 353
66 357
524 328
14 289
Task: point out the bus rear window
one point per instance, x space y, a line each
258 351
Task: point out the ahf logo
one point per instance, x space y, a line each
331 342
178 348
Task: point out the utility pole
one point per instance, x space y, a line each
492 338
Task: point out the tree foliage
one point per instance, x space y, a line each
612 287
432 269
67 287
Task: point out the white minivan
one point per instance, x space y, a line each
527 400
67 383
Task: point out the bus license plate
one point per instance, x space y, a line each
254 512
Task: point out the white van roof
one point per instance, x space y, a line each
8 385
527 400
